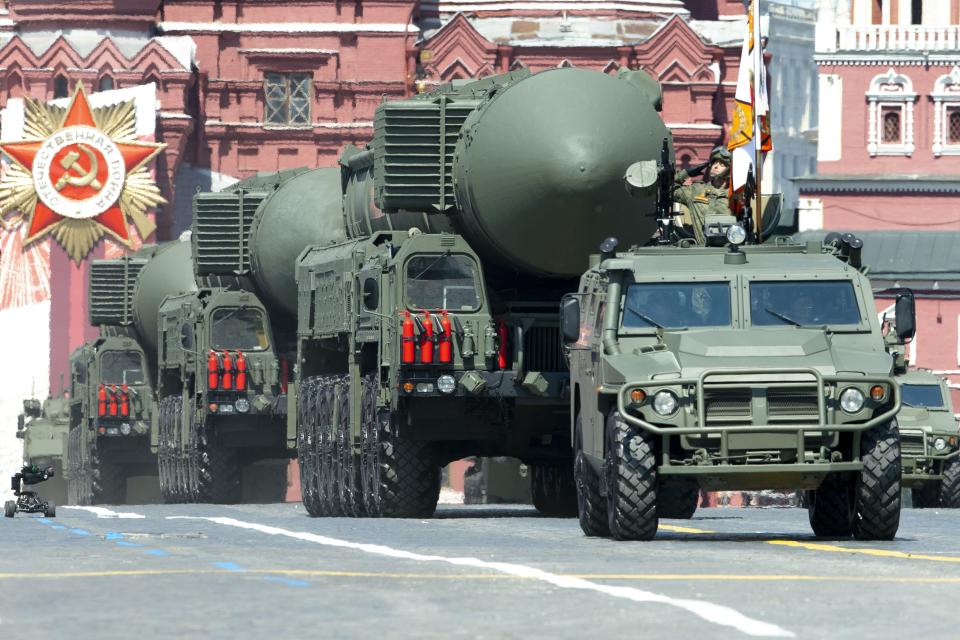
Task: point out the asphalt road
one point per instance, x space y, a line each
270 571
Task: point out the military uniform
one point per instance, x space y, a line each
702 198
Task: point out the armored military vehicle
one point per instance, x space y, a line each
732 368
113 408
928 439
226 346
427 318
43 428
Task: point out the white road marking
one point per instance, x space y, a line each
709 611
102 512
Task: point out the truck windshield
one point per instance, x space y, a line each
121 367
803 303
675 305
926 396
235 328
442 282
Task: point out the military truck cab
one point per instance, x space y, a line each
929 442
219 384
740 368
112 412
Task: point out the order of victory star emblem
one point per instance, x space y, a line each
80 173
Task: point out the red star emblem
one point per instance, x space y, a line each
79 172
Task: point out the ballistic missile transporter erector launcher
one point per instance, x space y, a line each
113 411
43 427
226 347
427 327
733 368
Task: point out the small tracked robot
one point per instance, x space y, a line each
29 501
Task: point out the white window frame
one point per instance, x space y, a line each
946 95
890 89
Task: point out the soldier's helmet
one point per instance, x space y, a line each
720 153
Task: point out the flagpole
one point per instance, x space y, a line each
758 69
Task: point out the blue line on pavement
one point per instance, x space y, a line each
288 581
45 520
58 526
80 532
124 543
156 552
112 535
229 566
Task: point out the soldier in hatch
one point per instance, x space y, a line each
711 195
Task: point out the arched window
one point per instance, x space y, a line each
106 84
890 114
946 114
61 88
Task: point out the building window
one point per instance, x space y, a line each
953 125
890 128
288 97
946 114
60 87
106 84
892 132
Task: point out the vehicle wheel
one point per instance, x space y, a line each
348 467
306 446
219 469
553 490
631 469
877 493
9 508
591 506
678 499
409 480
109 478
950 485
329 462
50 510
166 452
926 496
370 449
830 507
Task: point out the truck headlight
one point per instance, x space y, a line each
125 428
851 400
446 383
939 444
736 234
665 403
242 405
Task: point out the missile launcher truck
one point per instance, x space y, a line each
113 410
928 434
732 368
427 318
43 427
226 346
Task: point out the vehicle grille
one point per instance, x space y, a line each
911 443
792 405
542 350
727 405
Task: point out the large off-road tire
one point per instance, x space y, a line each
631 474
370 460
50 510
348 466
408 478
926 496
553 489
830 507
9 508
329 458
220 472
591 505
950 485
877 492
677 498
306 446
171 408
110 479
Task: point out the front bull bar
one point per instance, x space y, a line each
724 430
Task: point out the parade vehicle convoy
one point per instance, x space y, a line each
928 435
427 321
113 410
226 346
732 368
43 427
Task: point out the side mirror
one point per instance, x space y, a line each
21 425
371 295
906 315
570 319
186 336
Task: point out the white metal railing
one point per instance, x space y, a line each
899 38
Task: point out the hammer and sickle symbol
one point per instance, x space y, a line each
84 178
